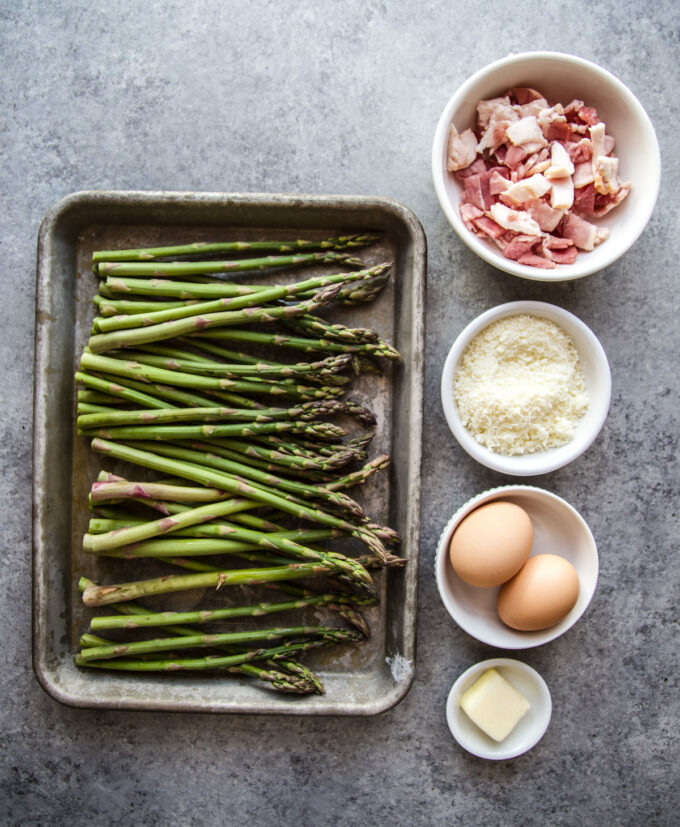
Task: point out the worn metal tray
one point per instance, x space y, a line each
362 680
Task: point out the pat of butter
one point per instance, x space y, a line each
494 705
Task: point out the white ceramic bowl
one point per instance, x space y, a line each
561 78
529 730
597 380
558 529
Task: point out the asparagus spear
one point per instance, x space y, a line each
296 678
256 296
248 315
219 479
178 269
104 595
307 345
154 619
206 248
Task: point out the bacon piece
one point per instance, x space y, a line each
494 135
588 114
560 255
532 260
558 131
606 203
583 174
582 232
494 108
571 110
554 242
584 199
534 107
477 190
517 246
605 175
461 150
523 94
580 151
489 227
526 133
528 189
544 215
560 162
498 182
562 195
474 169
514 156
468 212
516 220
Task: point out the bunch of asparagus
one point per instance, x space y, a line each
250 463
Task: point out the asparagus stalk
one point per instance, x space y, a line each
175 269
308 345
296 678
248 315
211 248
209 662
144 373
121 592
219 479
155 619
200 641
256 296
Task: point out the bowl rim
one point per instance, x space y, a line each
441 561
525 464
565 272
540 725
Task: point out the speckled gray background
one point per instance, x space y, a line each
344 98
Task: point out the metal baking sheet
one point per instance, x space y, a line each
360 680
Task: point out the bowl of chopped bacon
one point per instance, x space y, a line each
546 165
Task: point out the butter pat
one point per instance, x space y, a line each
494 705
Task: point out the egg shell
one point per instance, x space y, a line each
491 544
543 592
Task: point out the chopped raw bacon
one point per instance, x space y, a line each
584 199
582 232
468 213
477 190
498 182
533 260
606 203
554 242
530 171
517 246
580 151
474 169
489 227
565 256
462 149
583 174
514 156
523 94
544 215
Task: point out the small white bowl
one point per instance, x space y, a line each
529 730
558 529
597 380
561 78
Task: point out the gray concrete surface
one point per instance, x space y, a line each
344 98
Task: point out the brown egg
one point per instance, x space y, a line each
491 544
543 592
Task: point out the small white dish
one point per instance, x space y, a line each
597 380
561 78
529 730
558 529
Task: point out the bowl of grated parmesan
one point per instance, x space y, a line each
526 388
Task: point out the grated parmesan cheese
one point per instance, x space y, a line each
519 386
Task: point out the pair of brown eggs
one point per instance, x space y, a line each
491 547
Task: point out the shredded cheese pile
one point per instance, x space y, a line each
519 386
